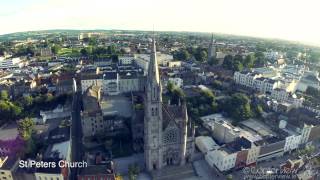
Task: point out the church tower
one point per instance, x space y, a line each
153 115
211 49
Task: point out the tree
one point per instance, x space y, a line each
260 60
249 61
313 92
170 86
228 62
213 61
84 52
4 95
238 107
2 50
229 177
177 96
203 56
237 66
5 110
93 42
25 128
182 54
134 171
111 49
314 56
217 84
55 49
25 101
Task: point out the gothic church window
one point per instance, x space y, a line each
170 136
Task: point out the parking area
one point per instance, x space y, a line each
117 105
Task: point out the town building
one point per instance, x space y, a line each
11 63
91 116
206 144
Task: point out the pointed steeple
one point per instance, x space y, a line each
211 49
153 70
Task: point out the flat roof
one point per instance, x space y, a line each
258 127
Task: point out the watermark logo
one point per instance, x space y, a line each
269 173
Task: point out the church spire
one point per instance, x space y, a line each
211 49
153 71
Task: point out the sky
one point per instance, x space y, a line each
297 20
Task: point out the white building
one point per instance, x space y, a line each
221 159
246 78
11 63
113 83
305 133
110 83
89 80
174 64
58 112
280 94
292 142
309 79
142 60
126 60
206 144
253 154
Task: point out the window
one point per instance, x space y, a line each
170 136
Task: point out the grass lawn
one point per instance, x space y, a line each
69 52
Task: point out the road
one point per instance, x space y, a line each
76 134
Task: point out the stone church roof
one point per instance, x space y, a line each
172 113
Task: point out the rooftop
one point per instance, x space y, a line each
8 131
258 127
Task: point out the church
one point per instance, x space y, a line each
168 132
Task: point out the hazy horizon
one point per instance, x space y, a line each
294 20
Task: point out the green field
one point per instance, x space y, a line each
69 52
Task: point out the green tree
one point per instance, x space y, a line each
229 177
93 42
228 62
314 56
25 128
4 95
249 61
55 49
260 60
84 52
170 86
182 54
134 171
203 56
213 61
177 95
238 107
25 101
112 49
